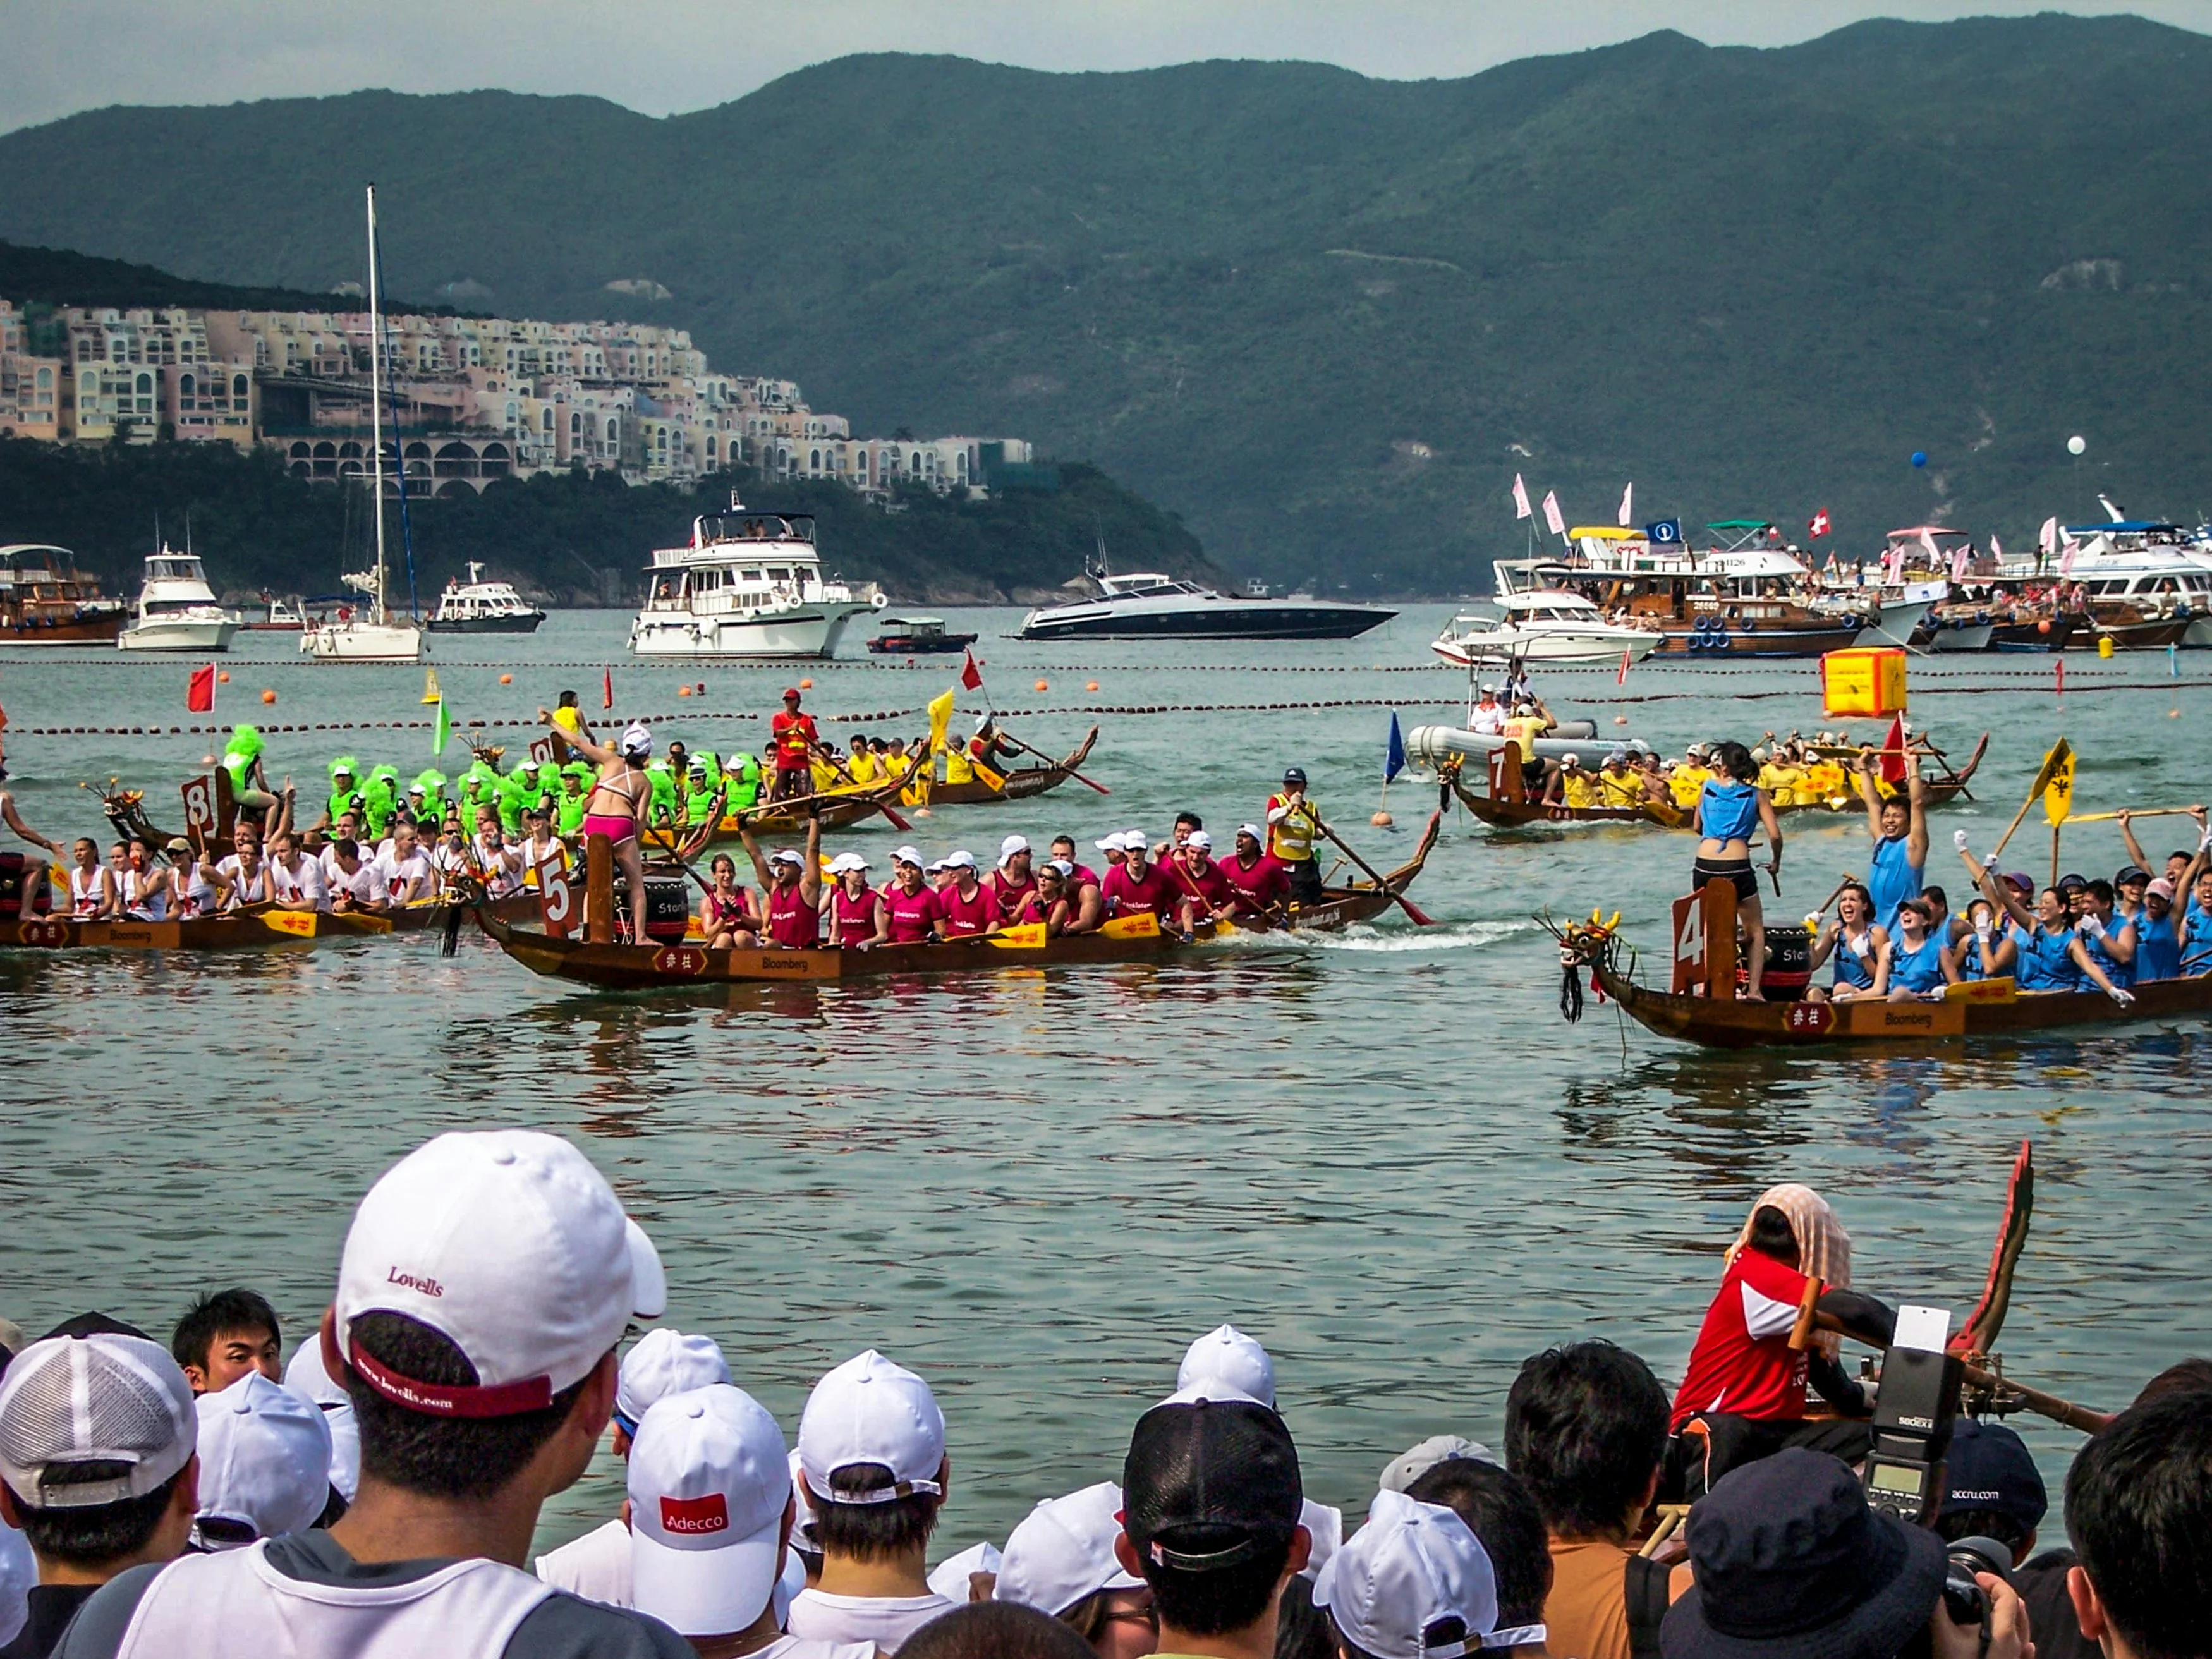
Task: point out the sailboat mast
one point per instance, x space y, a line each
376 400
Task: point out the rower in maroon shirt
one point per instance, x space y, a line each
916 917
1262 886
968 905
791 889
1137 885
1011 885
858 916
1063 849
1207 894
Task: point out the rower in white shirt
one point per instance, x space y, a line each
242 878
295 879
501 864
405 868
358 884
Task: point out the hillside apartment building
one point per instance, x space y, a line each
468 399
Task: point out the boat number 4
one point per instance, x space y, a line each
1810 1018
1690 935
686 959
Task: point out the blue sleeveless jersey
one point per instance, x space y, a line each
1917 971
2158 946
2121 974
1972 964
2044 964
1851 970
1727 811
2196 940
1892 878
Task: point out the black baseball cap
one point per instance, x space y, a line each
2132 873
2069 881
1989 1468
1210 1484
1294 775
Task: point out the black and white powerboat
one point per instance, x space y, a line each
477 606
1147 606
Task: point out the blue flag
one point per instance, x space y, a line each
1668 532
1393 758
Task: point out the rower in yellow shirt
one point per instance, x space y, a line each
1620 784
1576 787
1687 781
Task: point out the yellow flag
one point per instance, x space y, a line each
940 716
2058 792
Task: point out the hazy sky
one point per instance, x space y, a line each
659 56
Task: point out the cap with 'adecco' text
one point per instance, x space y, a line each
709 1486
1414 1582
1210 1484
664 1362
510 1245
100 1399
1225 1355
870 1411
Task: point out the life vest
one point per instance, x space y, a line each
1291 838
741 778
959 766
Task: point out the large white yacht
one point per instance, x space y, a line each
749 584
177 609
1146 605
1548 625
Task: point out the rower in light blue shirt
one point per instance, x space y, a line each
1898 868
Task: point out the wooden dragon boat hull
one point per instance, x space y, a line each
1342 907
1990 1008
246 930
785 818
1022 783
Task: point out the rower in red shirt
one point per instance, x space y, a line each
1137 885
796 740
1207 894
1012 884
968 905
1063 849
916 917
1262 885
1743 1393
791 889
858 916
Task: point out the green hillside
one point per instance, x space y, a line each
1327 318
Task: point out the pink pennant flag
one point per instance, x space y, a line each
1552 515
2066 558
2049 539
1928 541
1627 506
1521 508
1960 560
1621 678
1997 549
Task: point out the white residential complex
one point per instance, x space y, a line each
468 399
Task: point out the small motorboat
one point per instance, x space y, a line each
917 636
477 606
1549 624
177 609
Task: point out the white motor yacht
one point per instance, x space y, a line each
749 584
1548 624
1147 606
477 606
177 609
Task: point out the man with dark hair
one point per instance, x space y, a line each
225 1334
1211 1498
996 1630
1586 1431
871 1453
98 1469
485 1282
1990 1488
1499 1509
2139 1509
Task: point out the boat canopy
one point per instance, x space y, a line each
1742 523
1606 532
1915 531
1546 598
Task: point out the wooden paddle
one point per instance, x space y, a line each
1008 737
1368 870
2133 812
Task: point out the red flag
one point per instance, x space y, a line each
1621 678
607 691
1819 527
970 675
1893 752
199 691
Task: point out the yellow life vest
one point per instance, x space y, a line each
1291 838
1687 782
959 768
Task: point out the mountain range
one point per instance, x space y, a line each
1327 318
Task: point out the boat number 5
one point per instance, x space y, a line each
686 959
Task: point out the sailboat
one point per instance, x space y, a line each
374 637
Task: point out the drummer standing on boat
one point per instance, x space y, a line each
1292 825
1898 869
1729 807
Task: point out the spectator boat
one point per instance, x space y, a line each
45 600
749 584
177 609
1548 624
477 606
917 636
1148 606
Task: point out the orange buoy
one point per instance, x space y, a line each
682 691
1040 685
1381 820
921 811
207 759
268 696
1620 719
2043 626
507 680
2173 713
224 676
1091 685
807 685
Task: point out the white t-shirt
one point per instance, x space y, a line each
245 888
1490 722
399 872
885 1620
366 885
304 885
799 1647
595 1566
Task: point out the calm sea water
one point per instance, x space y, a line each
1383 1154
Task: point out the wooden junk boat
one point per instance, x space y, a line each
1507 806
577 939
1705 956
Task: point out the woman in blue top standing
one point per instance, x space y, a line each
1898 868
1731 806
2050 958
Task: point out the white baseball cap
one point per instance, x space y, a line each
908 855
870 1411
264 1460
305 1376
1111 844
637 740
1414 1582
933 866
962 860
1012 845
1063 1551
1134 838
785 855
844 863
1198 839
1254 831
510 1245
1410 1465
664 1362
1227 1357
708 1490
649 1279
950 1578
103 1397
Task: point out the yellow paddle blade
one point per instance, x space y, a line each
2059 790
300 924
1024 936
1142 925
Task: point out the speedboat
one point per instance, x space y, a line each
1147 606
177 609
748 584
1550 624
917 636
477 606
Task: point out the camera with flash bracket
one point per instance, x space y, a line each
1913 1412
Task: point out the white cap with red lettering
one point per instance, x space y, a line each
510 1245
708 1486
